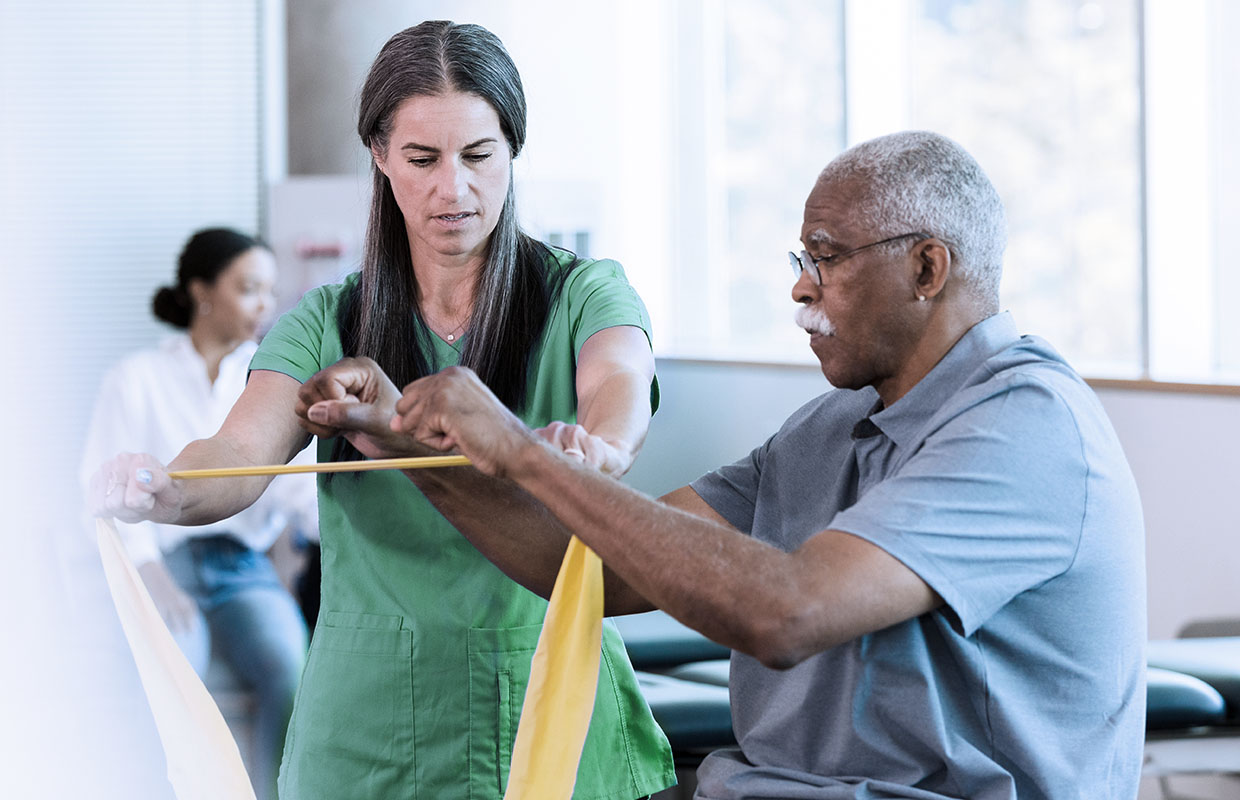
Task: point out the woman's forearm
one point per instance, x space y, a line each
207 500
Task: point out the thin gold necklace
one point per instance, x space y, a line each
451 337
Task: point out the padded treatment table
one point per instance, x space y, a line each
713 672
1213 659
696 717
1212 745
1192 696
1176 702
656 641
1187 729
1186 719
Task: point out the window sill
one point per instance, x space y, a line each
1148 385
1110 384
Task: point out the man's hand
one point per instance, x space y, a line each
354 398
134 487
454 409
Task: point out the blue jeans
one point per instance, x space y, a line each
256 627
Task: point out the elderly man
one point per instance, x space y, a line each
931 576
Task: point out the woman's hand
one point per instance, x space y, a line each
356 399
178 609
615 369
597 452
134 487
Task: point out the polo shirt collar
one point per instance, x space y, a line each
902 421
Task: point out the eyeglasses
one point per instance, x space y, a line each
805 261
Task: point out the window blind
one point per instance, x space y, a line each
124 126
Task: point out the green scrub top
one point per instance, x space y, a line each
421 655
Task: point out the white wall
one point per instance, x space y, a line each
1184 451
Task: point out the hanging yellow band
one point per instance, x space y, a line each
203 760
563 680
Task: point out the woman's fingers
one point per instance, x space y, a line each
576 442
130 487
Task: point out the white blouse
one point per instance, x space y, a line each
159 400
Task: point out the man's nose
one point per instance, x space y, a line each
805 291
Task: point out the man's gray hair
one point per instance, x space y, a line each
922 181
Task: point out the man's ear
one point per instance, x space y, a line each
934 266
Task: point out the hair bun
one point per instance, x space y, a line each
172 304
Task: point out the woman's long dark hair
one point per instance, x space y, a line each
381 318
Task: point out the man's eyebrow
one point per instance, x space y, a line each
819 237
428 149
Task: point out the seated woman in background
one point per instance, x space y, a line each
421 656
212 583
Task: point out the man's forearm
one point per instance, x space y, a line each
501 520
513 530
724 584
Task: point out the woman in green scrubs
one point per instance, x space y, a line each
421 654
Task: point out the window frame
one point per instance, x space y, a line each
1162 249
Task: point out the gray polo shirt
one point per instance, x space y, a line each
999 481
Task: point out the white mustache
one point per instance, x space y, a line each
814 320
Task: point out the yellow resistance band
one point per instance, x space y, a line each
203 760
419 462
563 680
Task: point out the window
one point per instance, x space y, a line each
1046 96
771 113
1105 124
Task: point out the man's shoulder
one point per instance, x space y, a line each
1027 390
1032 364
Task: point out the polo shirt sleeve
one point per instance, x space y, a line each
732 490
991 505
294 345
598 295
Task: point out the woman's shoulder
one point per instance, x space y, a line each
330 295
153 364
171 348
323 302
578 272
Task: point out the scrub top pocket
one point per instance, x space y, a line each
355 740
499 672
